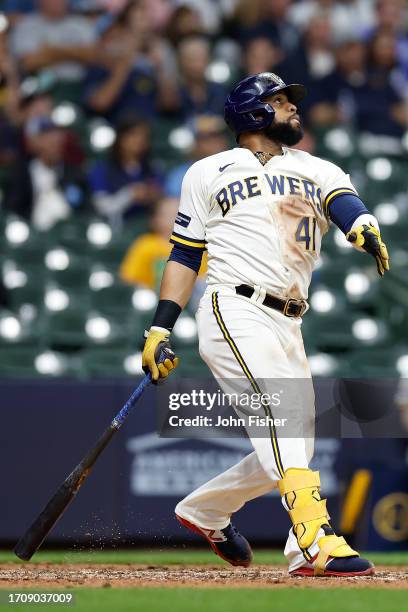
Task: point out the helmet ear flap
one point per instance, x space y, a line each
266 111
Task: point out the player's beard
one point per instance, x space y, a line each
284 133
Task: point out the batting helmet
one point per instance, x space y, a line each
245 110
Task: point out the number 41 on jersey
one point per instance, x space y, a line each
306 232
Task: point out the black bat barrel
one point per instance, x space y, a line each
34 536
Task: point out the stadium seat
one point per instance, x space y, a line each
324 299
109 255
31 362
329 332
18 362
65 330
31 293
115 301
70 233
20 328
385 177
113 363
32 251
77 328
191 364
381 363
162 149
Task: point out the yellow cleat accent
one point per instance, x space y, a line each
331 546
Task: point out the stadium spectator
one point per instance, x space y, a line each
208 13
363 92
345 17
384 58
19 6
265 18
333 95
44 189
122 79
184 21
209 138
52 37
126 184
312 60
260 55
196 94
15 9
143 21
145 259
9 101
392 18
380 105
36 101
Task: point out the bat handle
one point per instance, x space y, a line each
122 415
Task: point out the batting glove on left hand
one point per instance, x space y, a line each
368 238
157 341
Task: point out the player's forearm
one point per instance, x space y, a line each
175 291
177 283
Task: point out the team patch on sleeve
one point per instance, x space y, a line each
187 242
182 219
336 192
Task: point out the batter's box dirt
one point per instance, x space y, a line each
57 576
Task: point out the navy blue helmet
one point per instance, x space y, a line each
245 109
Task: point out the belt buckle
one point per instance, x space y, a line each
298 304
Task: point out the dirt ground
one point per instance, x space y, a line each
48 575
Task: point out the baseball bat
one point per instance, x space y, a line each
35 535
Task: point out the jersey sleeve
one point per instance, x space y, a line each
191 219
334 182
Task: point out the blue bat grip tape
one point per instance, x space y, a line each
122 415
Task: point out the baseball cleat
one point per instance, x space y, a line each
341 567
227 543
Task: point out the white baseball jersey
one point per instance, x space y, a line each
261 224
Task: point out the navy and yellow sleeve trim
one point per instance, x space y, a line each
334 194
345 208
187 242
191 258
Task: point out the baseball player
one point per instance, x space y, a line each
261 210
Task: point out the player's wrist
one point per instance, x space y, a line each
166 315
366 219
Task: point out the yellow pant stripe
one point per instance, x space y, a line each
251 379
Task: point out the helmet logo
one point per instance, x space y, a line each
271 76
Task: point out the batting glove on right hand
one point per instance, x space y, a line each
368 237
157 342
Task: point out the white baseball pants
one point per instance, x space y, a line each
242 339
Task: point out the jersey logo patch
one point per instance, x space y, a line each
222 168
182 219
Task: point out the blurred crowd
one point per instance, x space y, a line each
135 63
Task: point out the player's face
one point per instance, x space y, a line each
286 127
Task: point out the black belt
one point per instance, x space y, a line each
290 307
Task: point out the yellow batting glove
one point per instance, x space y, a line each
157 340
368 237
